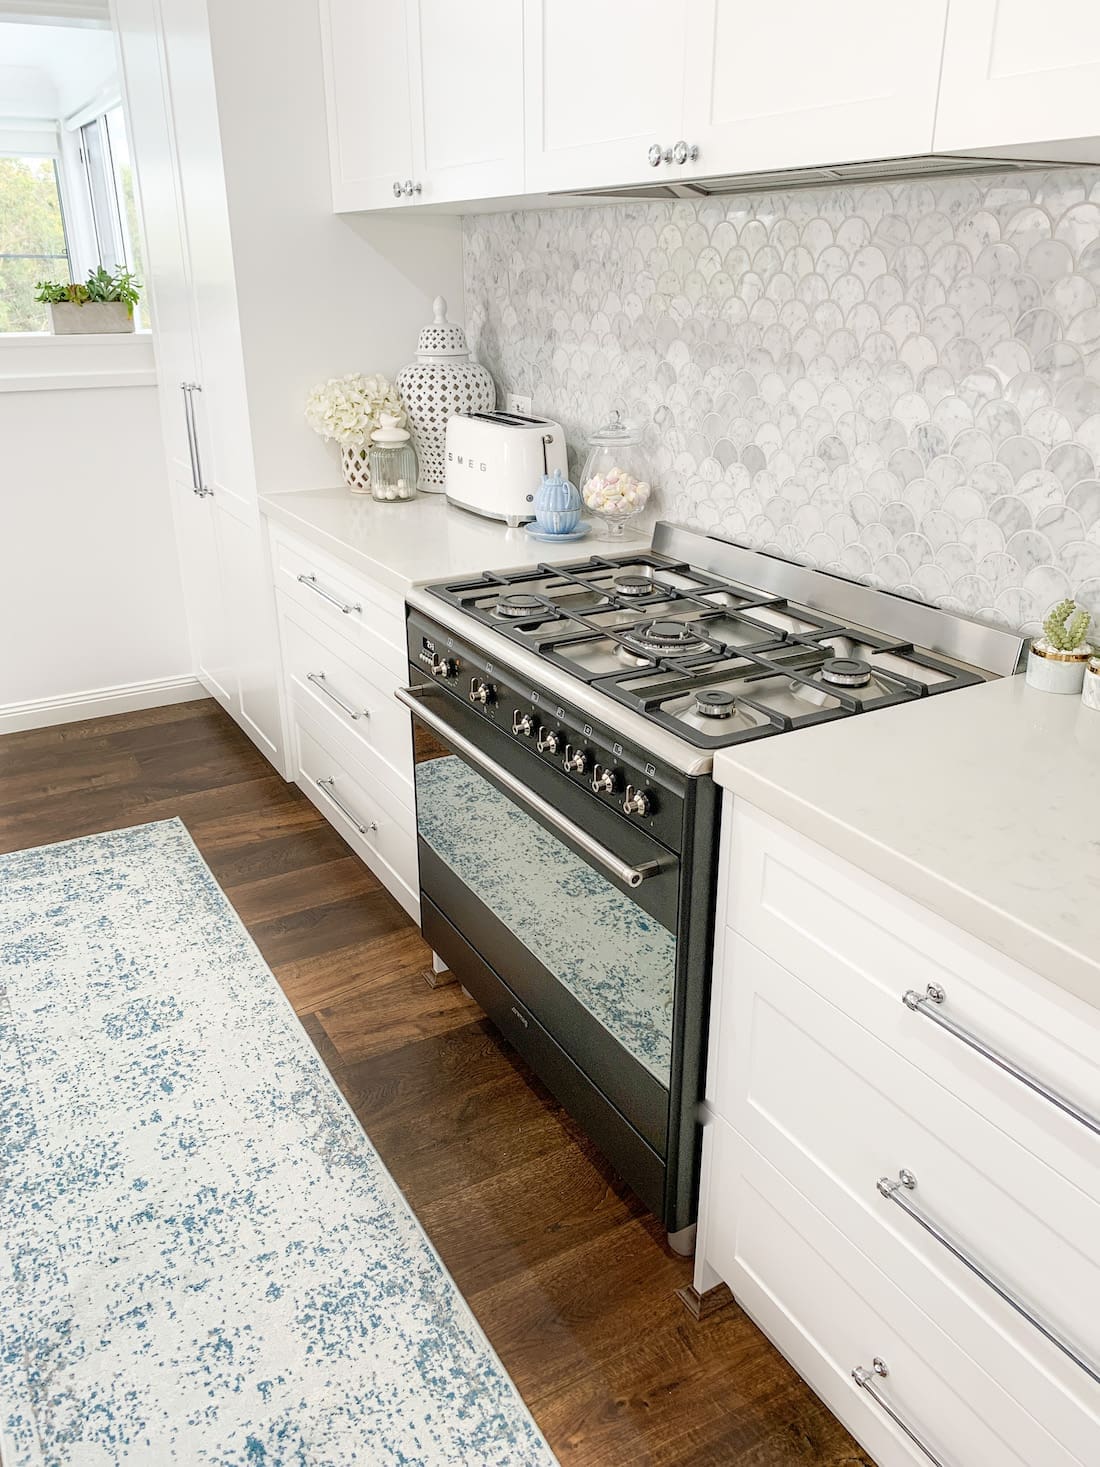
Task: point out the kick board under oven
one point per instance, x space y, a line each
582 928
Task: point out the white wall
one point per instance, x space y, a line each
90 597
318 295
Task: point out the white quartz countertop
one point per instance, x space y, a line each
406 545
982 804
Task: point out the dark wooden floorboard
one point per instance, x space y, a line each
568 1274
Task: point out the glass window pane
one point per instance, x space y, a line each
32 240
124 188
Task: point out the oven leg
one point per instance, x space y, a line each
683 1242
438 975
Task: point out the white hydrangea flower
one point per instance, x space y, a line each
347 410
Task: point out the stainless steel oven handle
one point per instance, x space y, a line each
414 698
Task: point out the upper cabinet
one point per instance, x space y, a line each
425 101
787 86
467 98
369 102
604 86
1021 76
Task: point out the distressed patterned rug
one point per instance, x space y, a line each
202 1258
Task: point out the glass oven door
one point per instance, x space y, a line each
568 903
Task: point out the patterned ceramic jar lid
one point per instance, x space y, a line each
442 338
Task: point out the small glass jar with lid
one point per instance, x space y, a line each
392 462
615 484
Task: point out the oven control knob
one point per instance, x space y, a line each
575 761
637 802
481 691
443 667
523 723
604 780
548 741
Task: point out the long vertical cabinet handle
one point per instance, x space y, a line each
188 389
189 421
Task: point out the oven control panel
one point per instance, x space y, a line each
588 754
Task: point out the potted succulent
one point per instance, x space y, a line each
1057 660
102 303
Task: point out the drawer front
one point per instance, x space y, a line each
349 695
831 1311
368 615
379 828
864 946
874 1116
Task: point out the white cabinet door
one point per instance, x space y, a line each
197 543
249 600
604 82
466 66
786 86
366 59
1016 73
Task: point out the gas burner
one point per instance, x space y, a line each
846 672
632 586
665 636
515 607
714 703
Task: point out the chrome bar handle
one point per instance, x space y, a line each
867 1381
413 698
189 422
327 786
308 579
898 1192
930 1005
319 680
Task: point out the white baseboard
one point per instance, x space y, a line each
98 703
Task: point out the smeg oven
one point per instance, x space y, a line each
566 879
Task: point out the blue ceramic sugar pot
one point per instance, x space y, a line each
557 505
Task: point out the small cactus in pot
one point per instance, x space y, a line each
1057 660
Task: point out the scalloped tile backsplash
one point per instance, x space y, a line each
899 383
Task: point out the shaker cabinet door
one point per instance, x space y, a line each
794 85
466 76
366 62
1016 73
604 83
212 649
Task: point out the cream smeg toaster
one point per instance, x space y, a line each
495 462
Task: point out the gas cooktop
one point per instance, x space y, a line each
748 647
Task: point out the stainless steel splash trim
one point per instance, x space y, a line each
987 649
414 699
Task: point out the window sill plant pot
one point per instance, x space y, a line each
1057 660
95 317
101 305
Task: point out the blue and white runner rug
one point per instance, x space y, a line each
202 1258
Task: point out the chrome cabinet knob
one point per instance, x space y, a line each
396 188
603 781
408 188
683 153
523 723
575 761
548 742
481 691
637 802
655 155
445 667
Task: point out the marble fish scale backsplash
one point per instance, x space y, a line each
899 383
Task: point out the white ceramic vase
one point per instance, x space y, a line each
1052 671
1090 692
439 384
356 462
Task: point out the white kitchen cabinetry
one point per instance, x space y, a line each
1021 77
425 101
792 85
343 655
604 83
858 1153
172 105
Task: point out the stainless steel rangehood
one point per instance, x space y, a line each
877 170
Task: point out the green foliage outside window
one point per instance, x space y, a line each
32 240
